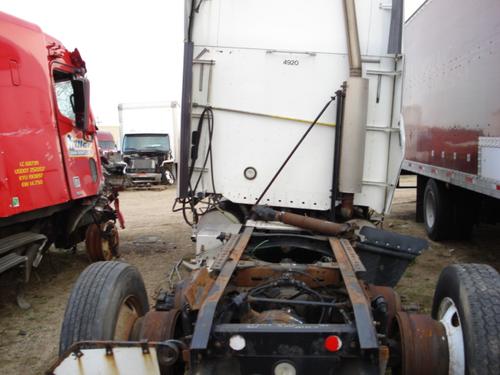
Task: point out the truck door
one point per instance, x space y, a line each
31 172
79 149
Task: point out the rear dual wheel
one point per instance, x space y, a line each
463 335
467 303
447 213
437 216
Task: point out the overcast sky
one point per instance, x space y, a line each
133 49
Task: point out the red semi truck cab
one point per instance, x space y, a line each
46 157
52 187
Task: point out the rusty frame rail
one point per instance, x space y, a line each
206 314
361 306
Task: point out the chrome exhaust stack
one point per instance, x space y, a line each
355 116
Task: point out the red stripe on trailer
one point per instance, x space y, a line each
469 180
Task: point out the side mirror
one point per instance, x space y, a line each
81 89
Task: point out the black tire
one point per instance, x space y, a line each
475 291
437 210
97 298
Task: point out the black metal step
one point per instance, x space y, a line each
11 260
18 240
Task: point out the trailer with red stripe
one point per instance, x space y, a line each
452 114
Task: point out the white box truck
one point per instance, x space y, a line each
148 138
452 114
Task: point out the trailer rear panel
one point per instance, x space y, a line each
266 68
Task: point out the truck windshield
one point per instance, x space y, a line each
146 142
107 145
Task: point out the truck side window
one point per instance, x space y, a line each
64 94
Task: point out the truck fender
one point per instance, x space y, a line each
76 216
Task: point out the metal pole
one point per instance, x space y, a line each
340 94
185 140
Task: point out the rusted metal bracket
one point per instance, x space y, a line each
223 254
356 263
206 314
197 291
361 306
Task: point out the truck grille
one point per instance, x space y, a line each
142 165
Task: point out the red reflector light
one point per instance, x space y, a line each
333 343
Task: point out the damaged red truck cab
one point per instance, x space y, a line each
45 158
51 183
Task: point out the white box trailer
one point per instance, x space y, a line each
149 134
452 113
265 69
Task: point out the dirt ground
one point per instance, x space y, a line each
419 280
155 238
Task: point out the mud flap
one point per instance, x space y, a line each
386 255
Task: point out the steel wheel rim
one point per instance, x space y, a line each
449 317
430 210
127 316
